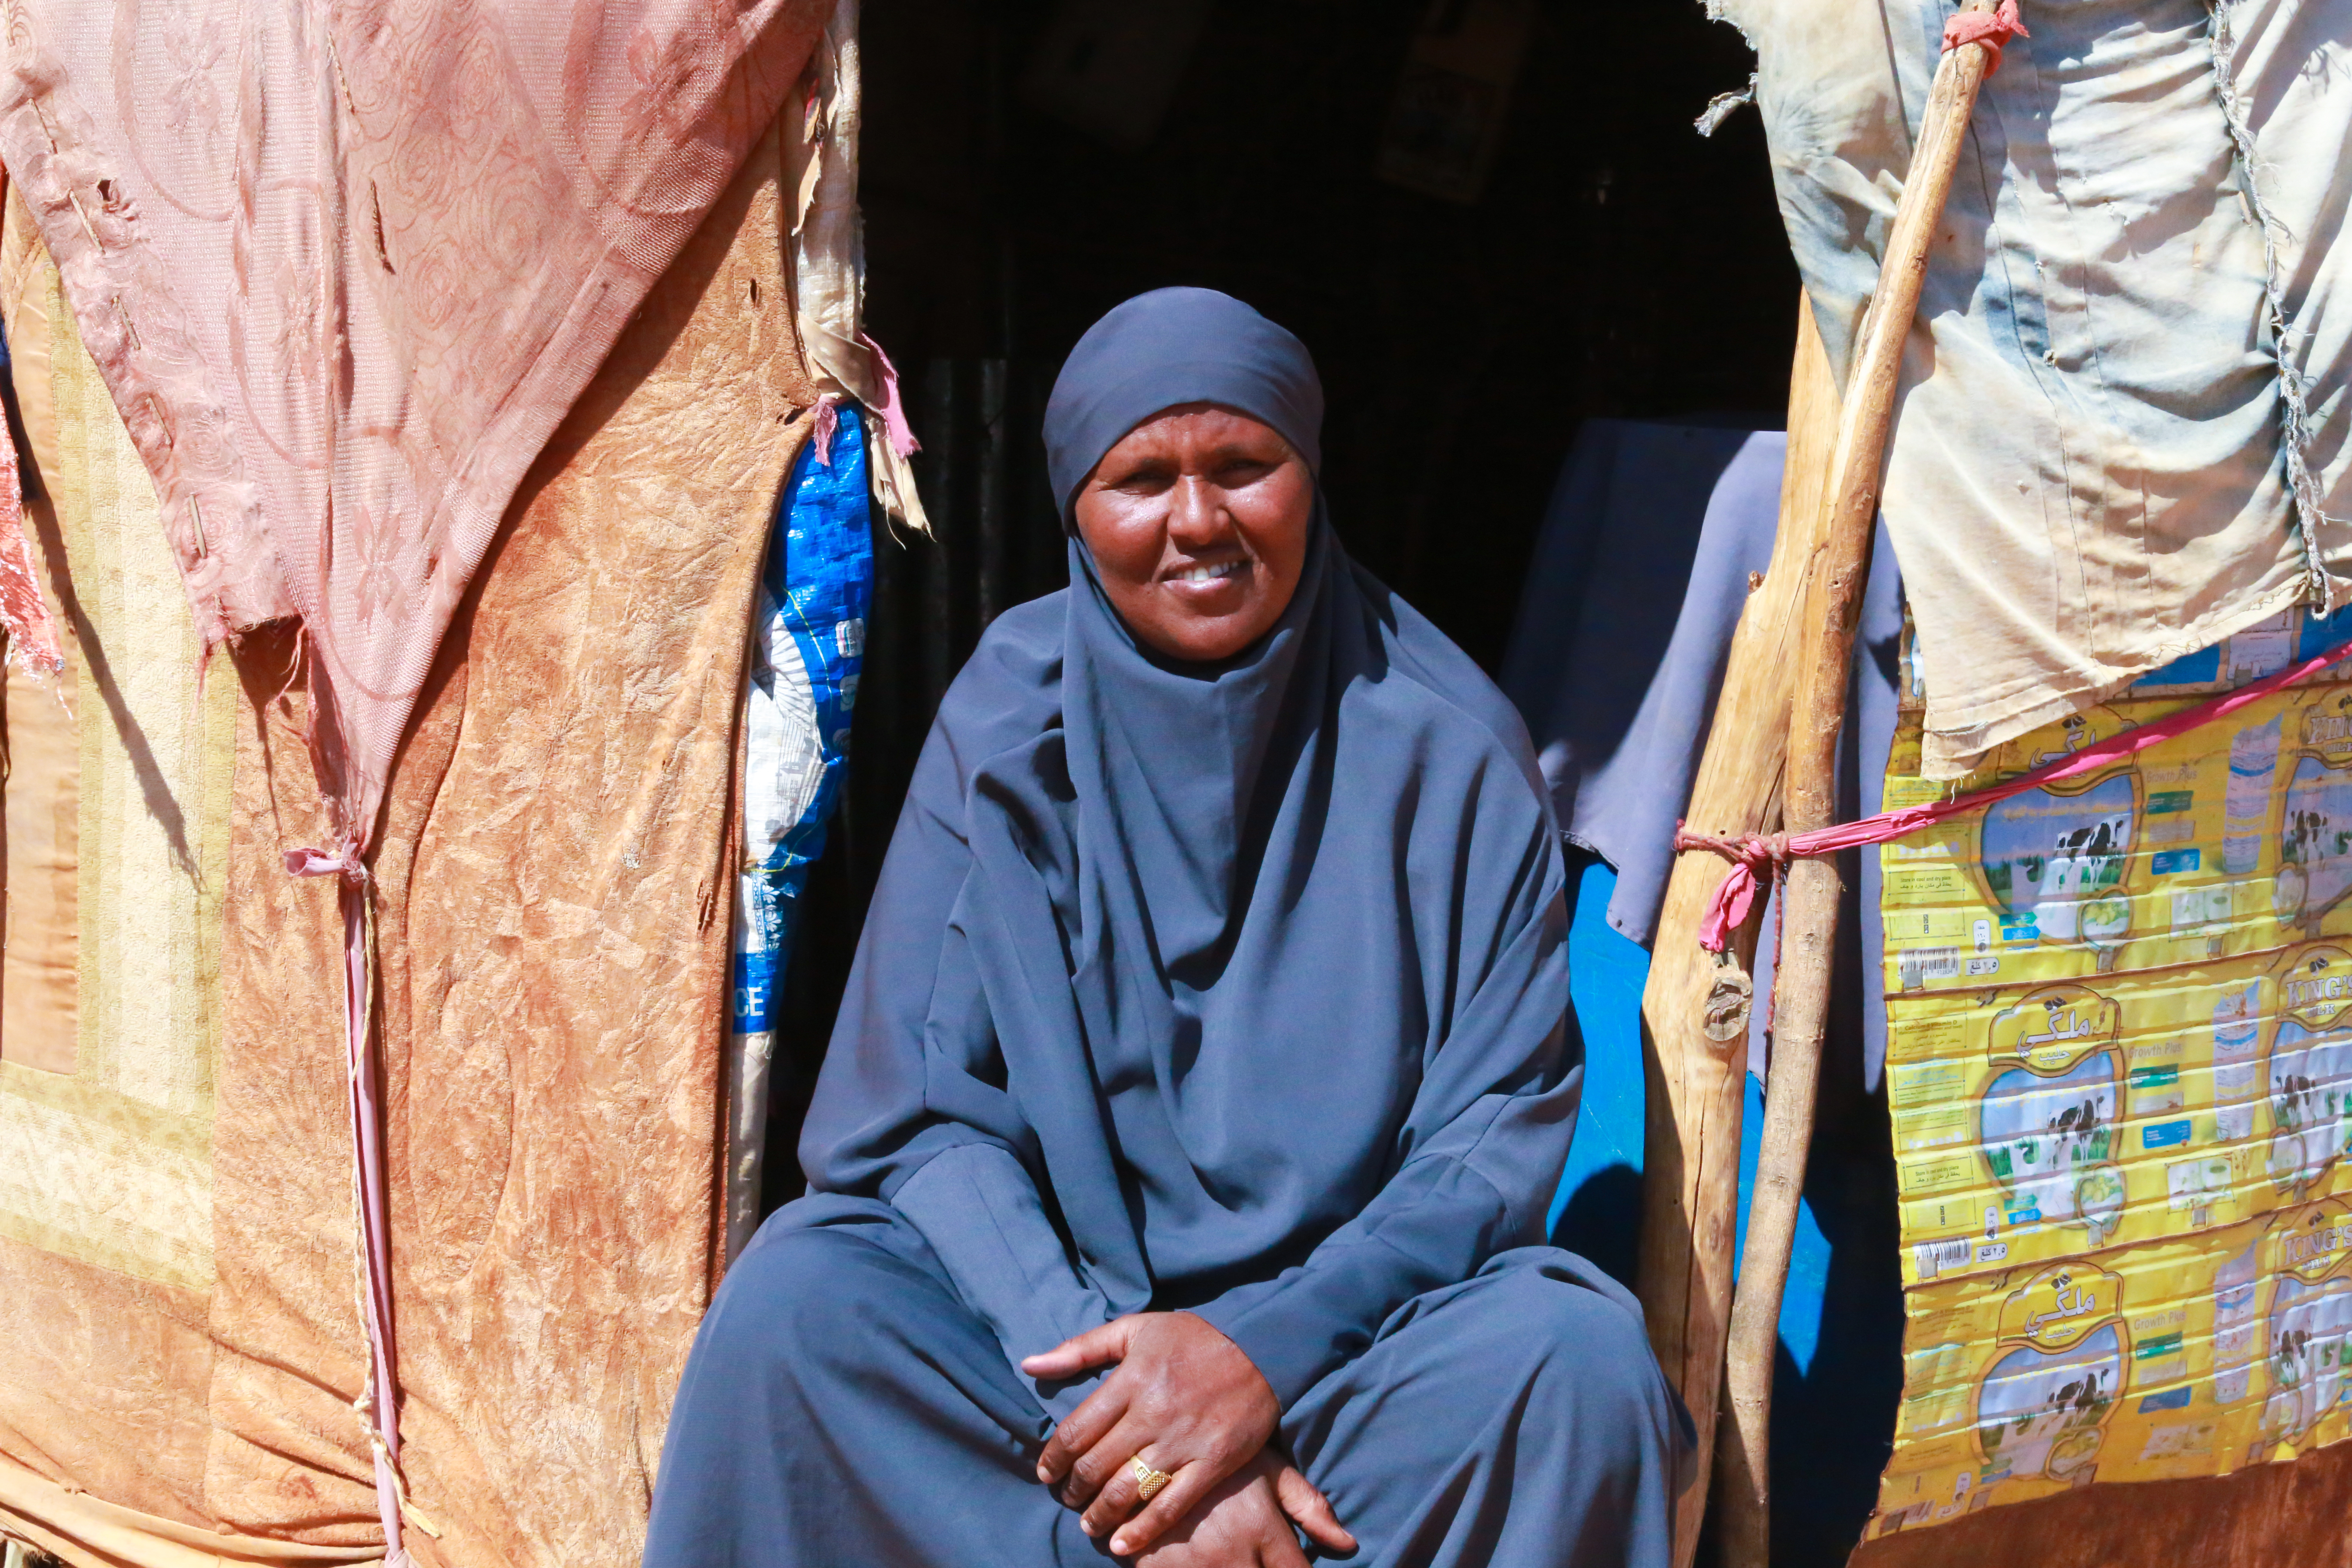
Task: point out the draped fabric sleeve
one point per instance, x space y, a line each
914 993
1487 1132
911 1106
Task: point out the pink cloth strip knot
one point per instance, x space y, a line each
1750 853
894 405
1993 30
344 862
829 420
1753 857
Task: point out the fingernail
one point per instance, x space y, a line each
1118 1545
1090 1527
1043 1474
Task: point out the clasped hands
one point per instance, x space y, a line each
1186 1401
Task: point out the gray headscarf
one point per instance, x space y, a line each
1173 346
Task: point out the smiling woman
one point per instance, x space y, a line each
1197 522
1210 1025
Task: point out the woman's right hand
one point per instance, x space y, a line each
1245 1522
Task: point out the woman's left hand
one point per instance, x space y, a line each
1185 1400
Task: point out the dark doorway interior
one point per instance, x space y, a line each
1614 263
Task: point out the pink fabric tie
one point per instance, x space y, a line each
829 420
1752 854
1993 30
378 1405
894 406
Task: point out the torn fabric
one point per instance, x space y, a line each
345 271
828 252
2096 465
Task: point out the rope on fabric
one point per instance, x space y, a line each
1755 855
1993 30
378 1405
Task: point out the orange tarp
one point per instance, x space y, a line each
551 935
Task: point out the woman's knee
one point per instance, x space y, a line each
1586 1352
801 1299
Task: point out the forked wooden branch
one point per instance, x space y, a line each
1695 1006
1810 894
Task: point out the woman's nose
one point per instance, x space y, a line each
1199 515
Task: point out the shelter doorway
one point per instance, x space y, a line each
1610 263
1026 165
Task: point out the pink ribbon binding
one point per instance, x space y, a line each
1991 28
894 406
821 434
379 1404
1753 854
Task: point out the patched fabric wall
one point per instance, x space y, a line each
2121 429
117 807
552 882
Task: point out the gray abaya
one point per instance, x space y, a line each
1238 989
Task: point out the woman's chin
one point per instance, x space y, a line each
1206 636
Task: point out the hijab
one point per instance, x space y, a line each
1218 951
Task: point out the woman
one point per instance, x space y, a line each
1204 1079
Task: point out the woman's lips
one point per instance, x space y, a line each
1216 587
1209 572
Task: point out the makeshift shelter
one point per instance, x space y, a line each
543 392
628 737
2105 482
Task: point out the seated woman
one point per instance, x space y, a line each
1210 1026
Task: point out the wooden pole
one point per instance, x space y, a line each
1810 894
1695 1005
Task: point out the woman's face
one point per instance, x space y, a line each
1197 520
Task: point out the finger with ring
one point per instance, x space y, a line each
1147 1481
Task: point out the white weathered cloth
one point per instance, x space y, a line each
2099 462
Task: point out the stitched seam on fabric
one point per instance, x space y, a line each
2037 365
1511 1217
1969 746
2106 678
2294 418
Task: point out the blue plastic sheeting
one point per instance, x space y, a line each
815 590
1606 974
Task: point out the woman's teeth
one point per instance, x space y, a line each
1208 574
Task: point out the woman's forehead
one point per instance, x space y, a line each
1200 422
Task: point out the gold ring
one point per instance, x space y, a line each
1147 1481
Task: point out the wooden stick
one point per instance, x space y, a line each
1695 1005
1810 894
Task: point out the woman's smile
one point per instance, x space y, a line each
1207 573
1210 591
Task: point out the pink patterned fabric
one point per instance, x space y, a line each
24 614
344 266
